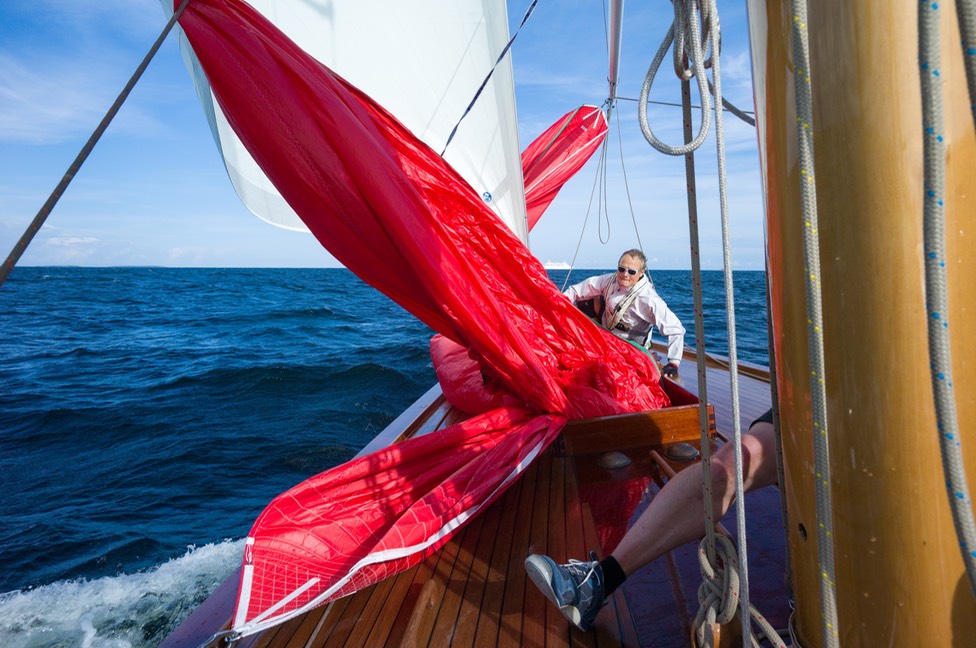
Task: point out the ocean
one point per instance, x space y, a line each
147 415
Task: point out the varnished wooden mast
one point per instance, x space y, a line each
900 579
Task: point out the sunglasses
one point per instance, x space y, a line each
629 271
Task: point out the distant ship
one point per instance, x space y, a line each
556 265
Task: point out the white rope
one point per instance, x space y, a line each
687 36
730 323
718 597
677 35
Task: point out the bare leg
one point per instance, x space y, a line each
677 514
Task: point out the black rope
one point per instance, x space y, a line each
492 71
21 246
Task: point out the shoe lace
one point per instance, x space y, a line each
583 570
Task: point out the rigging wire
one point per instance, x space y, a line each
744 115
611 105
936 294
728 106
603 204
630 202
21 246
596 179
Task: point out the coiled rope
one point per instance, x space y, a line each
689 61
716 596
21 246
936 297
811 254
686 16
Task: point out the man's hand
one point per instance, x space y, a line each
670 370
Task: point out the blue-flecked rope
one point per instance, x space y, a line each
811 254
936 296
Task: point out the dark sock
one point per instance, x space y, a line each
613 575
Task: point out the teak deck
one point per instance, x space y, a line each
474 591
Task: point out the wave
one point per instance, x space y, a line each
124 611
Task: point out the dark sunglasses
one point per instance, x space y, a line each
629 271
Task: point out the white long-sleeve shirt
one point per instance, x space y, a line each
647 311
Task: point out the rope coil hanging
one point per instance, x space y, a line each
689 61
685 20
718 596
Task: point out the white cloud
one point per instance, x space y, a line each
69 241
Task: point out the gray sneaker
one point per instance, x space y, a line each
576 587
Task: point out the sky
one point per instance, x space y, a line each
154 191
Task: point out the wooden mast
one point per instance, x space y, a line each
900 580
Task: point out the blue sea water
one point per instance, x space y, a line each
147 415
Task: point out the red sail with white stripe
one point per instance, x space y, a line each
400 217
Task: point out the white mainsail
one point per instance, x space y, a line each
423 61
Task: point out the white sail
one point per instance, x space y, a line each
423 60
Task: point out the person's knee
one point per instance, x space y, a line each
722 471
758 462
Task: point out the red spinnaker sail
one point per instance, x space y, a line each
556 155
392 211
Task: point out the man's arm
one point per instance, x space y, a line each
658 313
586 289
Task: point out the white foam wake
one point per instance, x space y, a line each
126 611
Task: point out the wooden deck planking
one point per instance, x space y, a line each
497 582
560 526
341 625
473 597
415 580
421 625
445 624
374 610
534 607
510 620
383 630
754 396
576 547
